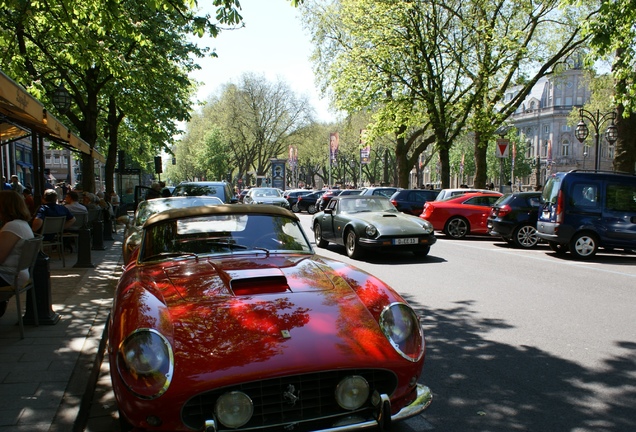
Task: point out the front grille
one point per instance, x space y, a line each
315 401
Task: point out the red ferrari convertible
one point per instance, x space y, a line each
225 320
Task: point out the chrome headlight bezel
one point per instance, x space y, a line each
371 230
145 363
352 392
427 226
402 328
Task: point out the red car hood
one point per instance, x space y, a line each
247 319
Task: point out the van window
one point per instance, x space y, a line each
551 190
621 197
585 195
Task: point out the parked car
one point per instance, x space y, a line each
447 193
218 189
241 195
461 215
514 218
326 196
292 197
583 211
322 202
266 195
363 223
308 202
385 191
145 209
225 319
412 201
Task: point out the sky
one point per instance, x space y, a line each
272 43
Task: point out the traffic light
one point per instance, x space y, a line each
158 165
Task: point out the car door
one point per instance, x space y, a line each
619 215
476 209
326 220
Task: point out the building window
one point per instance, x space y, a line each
565 148
568 101
546 129
566 128
557 101
47 159
56 159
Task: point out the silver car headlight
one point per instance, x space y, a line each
352 392
145 363
402 328
234 409
428 227
371 231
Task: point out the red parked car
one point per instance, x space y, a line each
461 215
226 320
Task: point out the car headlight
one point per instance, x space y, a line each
428 227
234 409
402 328
370 230
145 363
352 392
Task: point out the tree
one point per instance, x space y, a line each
612 36
260 120
426 68
95 45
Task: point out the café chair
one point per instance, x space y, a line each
27 259
54 225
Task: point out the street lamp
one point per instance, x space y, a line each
61 99
596 119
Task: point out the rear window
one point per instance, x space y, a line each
551 190
200 190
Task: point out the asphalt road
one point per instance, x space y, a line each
519 340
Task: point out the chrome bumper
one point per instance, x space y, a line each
382 423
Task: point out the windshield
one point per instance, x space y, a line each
222 235
367 204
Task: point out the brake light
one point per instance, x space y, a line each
426 212
559 208
503 210
394 202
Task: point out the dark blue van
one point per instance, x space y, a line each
582 211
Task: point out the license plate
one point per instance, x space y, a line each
405 241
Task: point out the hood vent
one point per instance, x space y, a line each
259 285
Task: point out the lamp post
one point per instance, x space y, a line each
596 120
584 157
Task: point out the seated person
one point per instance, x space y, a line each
53 209
71 201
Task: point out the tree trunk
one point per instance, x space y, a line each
481 168
625 157
444 160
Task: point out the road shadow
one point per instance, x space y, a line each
481 385
389 258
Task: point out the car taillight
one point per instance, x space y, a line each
503 210
394 202
559 208
426 212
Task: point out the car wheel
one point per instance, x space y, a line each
583 245
420 253
311 209
295 208
351 245
558 248
320 242
456 227
526 237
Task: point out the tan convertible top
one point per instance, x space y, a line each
219 209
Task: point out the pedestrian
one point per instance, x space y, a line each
154 191
5 184
16 185
53 209
114 200
15 218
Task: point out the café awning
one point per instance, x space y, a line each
21 114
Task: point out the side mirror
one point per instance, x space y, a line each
328 211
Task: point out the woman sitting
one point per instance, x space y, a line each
15 218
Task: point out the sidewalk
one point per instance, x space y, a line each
47 379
